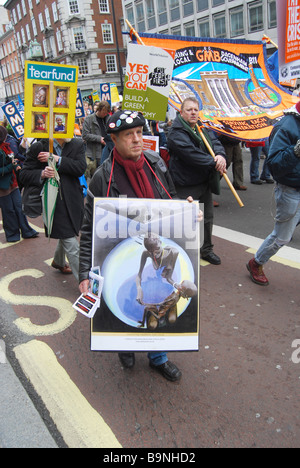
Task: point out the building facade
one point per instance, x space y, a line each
86 33
230 19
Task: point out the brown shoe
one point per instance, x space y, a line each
240 187
257 273
65 270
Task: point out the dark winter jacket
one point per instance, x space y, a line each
70 206
190 164
98 188
283 163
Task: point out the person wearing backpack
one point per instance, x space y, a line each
14 221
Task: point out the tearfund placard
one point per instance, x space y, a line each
147 81
46 106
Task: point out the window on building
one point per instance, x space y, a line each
16 64
104 6
204 27
176 31
111 64
14 16
23 36
82 66
79 38
150 14
41 20
162 12
54 11
236 22
188 7
107 34
24 8
272 14
202 5
130 15
59 40
189 30
33 24
30 4
140 17
28 32
174 10
217 2
219 23
47 16
73 7
255 15
19 12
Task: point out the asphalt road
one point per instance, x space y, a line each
240 390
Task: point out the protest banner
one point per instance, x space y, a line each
237 96
46 106
288 27
105 94
149 301
79 105
147 81
14 118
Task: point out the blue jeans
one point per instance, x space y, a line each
157 357
287 218
254 164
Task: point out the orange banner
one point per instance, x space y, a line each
237 96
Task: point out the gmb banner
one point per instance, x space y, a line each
230 79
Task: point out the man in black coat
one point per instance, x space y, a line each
70 161
193 168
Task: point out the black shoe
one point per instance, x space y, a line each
268 181
212 258
127 359
168 370
256 182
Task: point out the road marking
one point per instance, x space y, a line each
287 255
78 422
67 314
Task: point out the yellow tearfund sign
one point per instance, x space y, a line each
41 105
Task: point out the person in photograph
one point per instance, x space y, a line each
59 124
39 123
40 96
61 99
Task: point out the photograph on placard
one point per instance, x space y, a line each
39 122
40 96
60 123
61 96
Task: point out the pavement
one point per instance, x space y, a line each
242 384
21 425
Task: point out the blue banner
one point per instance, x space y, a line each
14 118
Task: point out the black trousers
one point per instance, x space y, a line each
203 194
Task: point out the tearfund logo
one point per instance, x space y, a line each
50 73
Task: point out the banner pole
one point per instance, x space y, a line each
209 148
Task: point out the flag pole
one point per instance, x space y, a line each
209 148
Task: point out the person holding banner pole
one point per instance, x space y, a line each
193 169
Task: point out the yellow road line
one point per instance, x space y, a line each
79 424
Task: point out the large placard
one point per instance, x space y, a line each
148 254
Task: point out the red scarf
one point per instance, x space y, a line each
136 175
